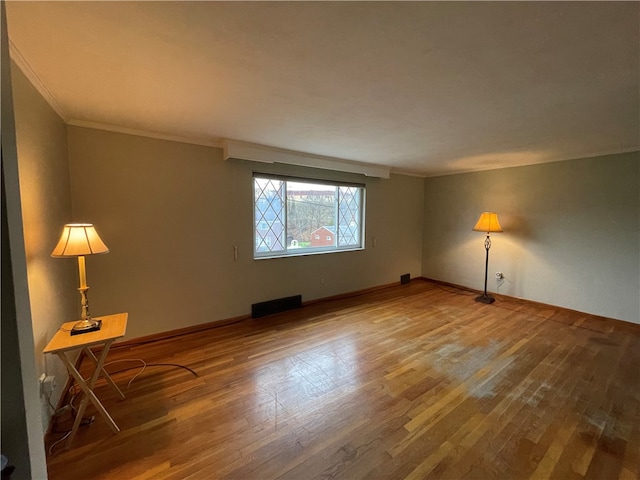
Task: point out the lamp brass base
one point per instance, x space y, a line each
86 326
485 299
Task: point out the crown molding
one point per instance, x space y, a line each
42 89
144 133
408 173
38 84
261 153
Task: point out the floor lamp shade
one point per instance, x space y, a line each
79 240
488 222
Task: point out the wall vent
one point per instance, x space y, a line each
404 279
278 305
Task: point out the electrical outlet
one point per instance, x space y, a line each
47 384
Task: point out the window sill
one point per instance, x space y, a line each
308 253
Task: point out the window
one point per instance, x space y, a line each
301 216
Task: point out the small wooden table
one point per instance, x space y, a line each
113 327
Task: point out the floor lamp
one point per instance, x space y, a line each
79 240
488 222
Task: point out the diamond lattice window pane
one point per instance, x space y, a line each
269 214
349 216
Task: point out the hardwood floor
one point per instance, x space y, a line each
417 381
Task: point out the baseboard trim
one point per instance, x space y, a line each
156 337
221 323
449 284
624 324
355 293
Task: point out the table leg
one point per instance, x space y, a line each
87 388
104 372
78 419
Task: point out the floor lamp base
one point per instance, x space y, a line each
485 299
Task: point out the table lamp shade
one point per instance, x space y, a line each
79 239
488 222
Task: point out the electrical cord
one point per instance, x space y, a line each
66 435
53 409
74 394
85 421
145 365
170 337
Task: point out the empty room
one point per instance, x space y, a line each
300 240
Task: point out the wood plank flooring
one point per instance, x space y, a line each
415 381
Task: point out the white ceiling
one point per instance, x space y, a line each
423 87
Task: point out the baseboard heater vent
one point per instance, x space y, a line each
278 305
404 279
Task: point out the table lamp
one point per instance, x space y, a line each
79 240
488 222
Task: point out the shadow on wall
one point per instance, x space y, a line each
516 226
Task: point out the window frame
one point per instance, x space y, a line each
287 252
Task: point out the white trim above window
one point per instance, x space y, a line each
263 154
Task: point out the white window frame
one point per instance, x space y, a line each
297 251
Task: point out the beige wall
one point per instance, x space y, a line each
46 205
45 191
171 214
571 239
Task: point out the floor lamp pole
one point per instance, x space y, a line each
485 297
